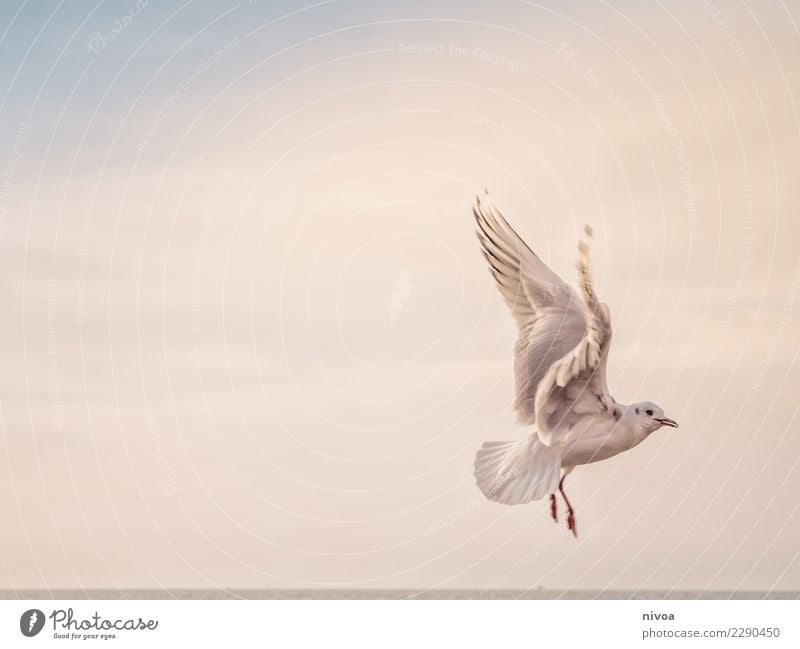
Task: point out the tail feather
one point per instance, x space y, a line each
517 472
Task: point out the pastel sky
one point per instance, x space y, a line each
248 339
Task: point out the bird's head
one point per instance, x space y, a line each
650 417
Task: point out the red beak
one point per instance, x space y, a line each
665 421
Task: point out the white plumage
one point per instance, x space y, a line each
560 374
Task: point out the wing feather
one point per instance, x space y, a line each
575 385
549 314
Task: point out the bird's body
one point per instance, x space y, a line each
560 374
592 443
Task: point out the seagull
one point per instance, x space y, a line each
560 375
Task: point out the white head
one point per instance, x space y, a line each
649 416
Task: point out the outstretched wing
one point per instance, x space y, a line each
575 386
549 314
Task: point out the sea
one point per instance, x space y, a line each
370 594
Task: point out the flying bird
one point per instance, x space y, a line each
560 375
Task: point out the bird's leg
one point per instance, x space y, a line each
553 507
570 512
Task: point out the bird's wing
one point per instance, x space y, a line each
549 314
575 386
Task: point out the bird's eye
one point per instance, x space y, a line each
648 412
